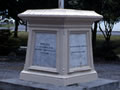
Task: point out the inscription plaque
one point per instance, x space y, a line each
77 50
45 50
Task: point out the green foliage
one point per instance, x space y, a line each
4 35
110 52
15 7
7 43
108 8
23 37
74 4
6 25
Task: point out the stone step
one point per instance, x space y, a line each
17 84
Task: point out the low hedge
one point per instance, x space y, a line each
7 43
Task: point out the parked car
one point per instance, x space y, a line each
6 20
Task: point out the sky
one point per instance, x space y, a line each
115 28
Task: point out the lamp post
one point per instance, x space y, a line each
61 4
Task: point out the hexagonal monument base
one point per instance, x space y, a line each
60 80
59 46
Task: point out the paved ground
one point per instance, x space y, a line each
10 69
105 70
108 71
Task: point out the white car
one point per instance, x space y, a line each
6 20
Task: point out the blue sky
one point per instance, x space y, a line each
115 28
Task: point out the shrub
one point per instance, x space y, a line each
7 43
106 52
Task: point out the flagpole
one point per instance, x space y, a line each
61 4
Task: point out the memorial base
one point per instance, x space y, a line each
17 84
60 80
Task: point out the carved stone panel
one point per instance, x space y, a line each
77 50
45 50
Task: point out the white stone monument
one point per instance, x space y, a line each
59 46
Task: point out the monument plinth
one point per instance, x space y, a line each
59 46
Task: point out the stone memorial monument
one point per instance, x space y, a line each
59 46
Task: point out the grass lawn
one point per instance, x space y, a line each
23 36
115 41
6 25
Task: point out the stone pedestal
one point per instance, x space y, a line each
99 84
59 46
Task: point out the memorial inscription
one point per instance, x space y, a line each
45 50
78 50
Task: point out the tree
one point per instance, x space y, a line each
12 6
74 4
110 11
3 7
15 7
111 16
108 8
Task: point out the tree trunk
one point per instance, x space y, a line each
94 32
16 28
107 43
26 26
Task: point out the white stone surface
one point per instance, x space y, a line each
45 50
60 13
78 50
65 22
